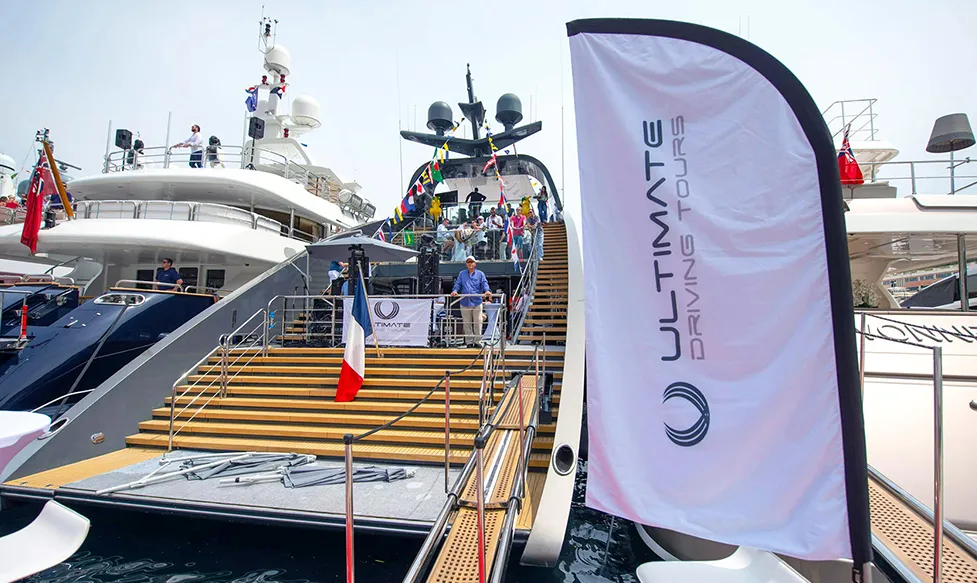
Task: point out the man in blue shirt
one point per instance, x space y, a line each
472 283
167 274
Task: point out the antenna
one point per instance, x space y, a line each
563 164
400 124
267 32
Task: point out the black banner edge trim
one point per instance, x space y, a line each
835 238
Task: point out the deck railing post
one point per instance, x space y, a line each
224 368
169 447
543 358
447 427
937 463
480 501
522 429
264 332
348 442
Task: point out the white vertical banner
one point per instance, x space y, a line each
720 339
405 322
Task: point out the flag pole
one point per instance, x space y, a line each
369 312
57 178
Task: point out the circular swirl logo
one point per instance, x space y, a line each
386 314
697 431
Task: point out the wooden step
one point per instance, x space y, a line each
457 396
361 450
320 381
442 364
334 369
364 421
358 406
459 438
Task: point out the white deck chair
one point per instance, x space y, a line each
746 565
51 538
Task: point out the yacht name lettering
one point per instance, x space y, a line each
686 334
928 334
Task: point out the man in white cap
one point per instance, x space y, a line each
472 283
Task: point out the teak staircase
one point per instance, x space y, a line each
284 402
548 310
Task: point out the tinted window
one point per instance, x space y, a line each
215 279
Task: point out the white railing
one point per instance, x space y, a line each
205 212
318 320
240 157
857 112
921 176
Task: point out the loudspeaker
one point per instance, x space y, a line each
428 278
256 128
123 139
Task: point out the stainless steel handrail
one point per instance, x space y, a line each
349 439
915 177
136 282
528 278
513 504
938 522
224 346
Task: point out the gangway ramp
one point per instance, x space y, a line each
505 442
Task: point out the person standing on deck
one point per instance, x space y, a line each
471 283
474 200
169 275
542 197
196 145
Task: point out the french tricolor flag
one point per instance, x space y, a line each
354 358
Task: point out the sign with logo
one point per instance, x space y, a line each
723 397
396 322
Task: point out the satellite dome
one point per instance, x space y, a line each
305 111
439 117
508 110
7 165
278 60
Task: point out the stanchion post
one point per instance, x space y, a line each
348 441
266 318
480 498
224 368
447 427
522 431
937 463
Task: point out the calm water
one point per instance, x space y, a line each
142 548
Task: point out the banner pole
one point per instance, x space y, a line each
369 312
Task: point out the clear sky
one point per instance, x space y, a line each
73 66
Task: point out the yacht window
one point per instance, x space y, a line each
145 275
120 299
215 278
189 275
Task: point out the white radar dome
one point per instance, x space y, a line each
8 166
278 60
305 111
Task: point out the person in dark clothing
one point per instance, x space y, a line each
474 200
168 275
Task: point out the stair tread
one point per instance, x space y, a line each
361 450
364 420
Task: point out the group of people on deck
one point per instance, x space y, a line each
484 236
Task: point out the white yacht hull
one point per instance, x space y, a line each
124 246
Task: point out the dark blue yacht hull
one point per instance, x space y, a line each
124 322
